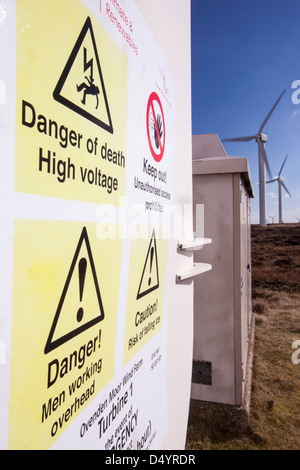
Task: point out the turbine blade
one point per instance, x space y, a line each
270 112
271 181
286 188
240 139
282 166
263 155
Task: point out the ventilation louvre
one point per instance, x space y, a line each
201 373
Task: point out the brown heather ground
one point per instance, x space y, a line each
275 398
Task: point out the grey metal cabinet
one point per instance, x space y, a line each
222 298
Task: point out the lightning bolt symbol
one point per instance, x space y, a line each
87 64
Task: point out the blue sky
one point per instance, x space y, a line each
244 54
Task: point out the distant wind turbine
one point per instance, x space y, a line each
298 219
280 184
261 139
272 217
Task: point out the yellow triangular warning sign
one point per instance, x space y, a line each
150 278
81 85
80 305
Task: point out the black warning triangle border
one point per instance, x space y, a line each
142 294
69 104
51 345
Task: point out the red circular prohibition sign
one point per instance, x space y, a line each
156 127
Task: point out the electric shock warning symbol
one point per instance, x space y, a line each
81 281
81 86
150 278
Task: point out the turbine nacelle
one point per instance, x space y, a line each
263 137
279 179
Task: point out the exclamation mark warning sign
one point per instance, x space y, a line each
146 292
68 322
150 277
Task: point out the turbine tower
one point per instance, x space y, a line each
280 185
261 139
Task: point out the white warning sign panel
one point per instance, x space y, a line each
91 129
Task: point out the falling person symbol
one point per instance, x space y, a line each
81 271
89 89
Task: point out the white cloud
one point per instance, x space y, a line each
296 113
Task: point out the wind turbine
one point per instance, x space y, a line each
298 219
272 217
261 139
280 184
